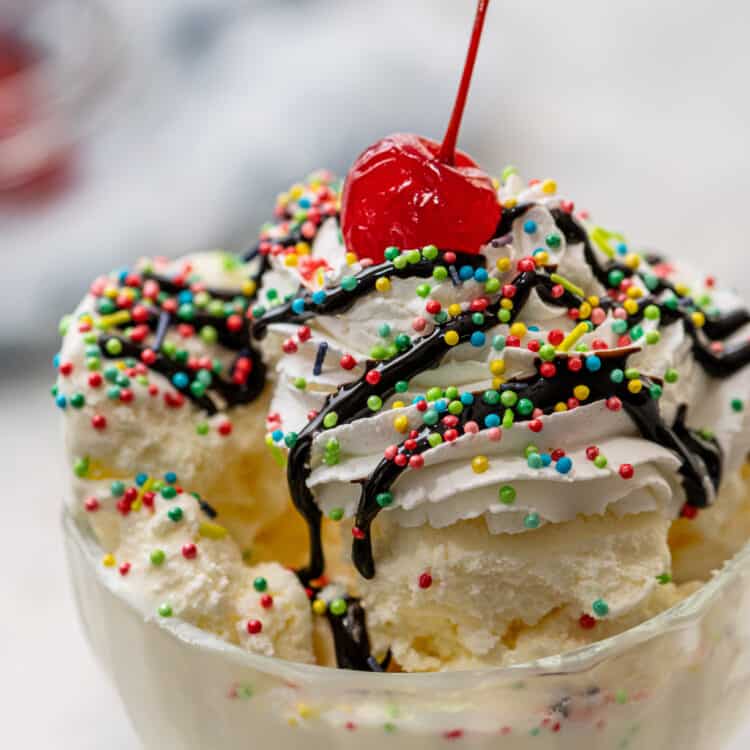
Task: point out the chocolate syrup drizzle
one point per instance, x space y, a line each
700 455
221 393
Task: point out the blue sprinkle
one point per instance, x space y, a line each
122 274
320 355
417 399
534 461
467 399
478 338
529 227
170 477
593 363
441 405
304 202
481 275
539 250
298 306
277 435
61 401
140 479
180 380
564 465
498 342
546 459
319 297
533 328
465 273
492 420
622 249
185 297
56 360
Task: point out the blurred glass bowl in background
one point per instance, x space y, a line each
58 60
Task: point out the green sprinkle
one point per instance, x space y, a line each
402 341
413 256
507 172
260 584
508 419
524 406
455 407
653 337
491 397
77 400
600 607
113 347
615 278
655 391
300 383
430 252
434 393
423 290
165 610
600 461
401 386
736 403
434 439
498 343
532 521
391 253
507 494
631 373
374 403
290 439
336 514
384 331
169 492
652 312
553 241
431 417
378 352
384 499
175 514
621 697
338 607
508 398
451 392
440 273
671 375
117 488
664 578
209 334
400 262
157 557
503 315
547 352
202 428
492 286
331 420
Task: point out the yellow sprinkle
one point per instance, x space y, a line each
518 330
211 530
503 264
296 191
584 310
635 292
109 561
506 303
249 287
454 310
85 318
682 289
580 330
602 238
495 183
560 406
480 464
497 382
136 505
291 259
282 198
145 487
305 711
593 300
510 203
566 284
319 607
631 306
401 423
549 187
302 248
699 319
451 338
383 284
111 292
581 392
632 260
351 258
320 278
497 366
541 259
635 385
398 405
292 721
115 319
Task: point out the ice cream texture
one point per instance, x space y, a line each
509 441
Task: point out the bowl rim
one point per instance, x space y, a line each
677 618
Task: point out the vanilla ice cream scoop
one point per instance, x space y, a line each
558 387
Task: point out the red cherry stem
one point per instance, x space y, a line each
448 148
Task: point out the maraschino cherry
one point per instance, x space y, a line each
409 191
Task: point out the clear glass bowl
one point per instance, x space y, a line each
679 680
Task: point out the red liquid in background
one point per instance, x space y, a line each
31 170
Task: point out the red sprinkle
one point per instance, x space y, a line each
91 504
148 499
587 622
425 581
592 452
225 428
614 403
416 461
548 370
575 364
95 380
66 368
348 362
98 421
689 511
254 627
373 377
626 471
357 533
266 601
189 551
536 425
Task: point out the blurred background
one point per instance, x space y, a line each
145 127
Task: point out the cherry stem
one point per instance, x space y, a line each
448 148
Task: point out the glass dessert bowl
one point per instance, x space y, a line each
678 680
